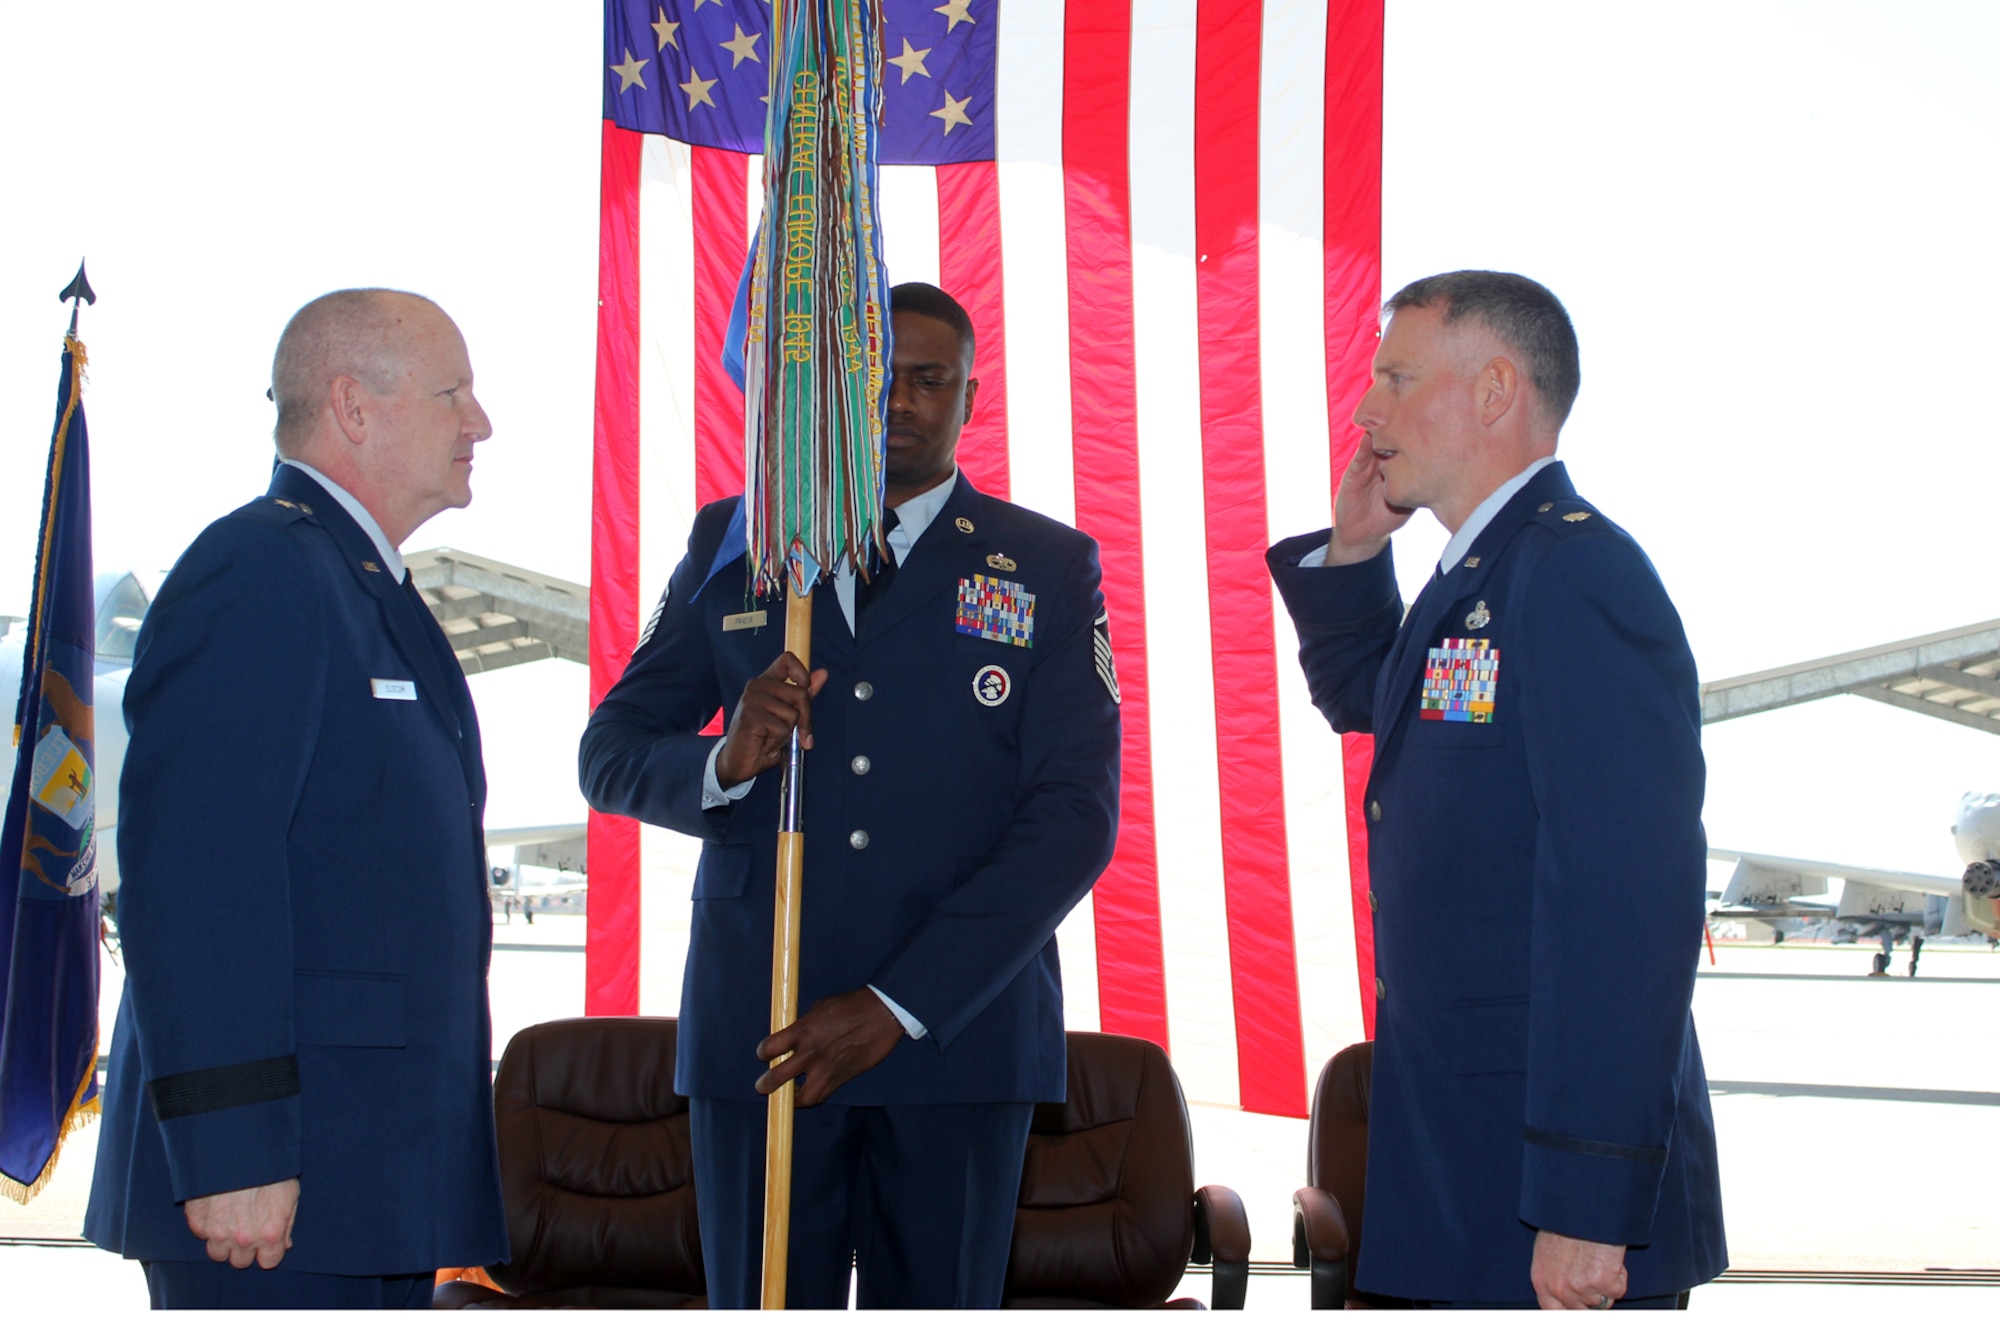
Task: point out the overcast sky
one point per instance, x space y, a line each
1772 222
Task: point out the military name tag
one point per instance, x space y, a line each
745 620
996 609
1461 678
393 689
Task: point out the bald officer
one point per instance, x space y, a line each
960 797
298 1110
1539 1131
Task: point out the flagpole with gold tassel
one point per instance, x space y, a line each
815 375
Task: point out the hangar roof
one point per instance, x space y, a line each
1953 675
498 615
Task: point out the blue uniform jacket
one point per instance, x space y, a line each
947 832
303 910
1538 887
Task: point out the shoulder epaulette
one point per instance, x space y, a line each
276 509
1569 515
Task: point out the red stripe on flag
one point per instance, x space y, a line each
1352 232
1357 755
1097 75
721 206
1256 874
969 268
611 956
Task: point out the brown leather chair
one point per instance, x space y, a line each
1109 1216
1326 1214
596 1171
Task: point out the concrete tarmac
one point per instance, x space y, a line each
1854 1117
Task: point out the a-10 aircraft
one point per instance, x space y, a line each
122 601
1891 905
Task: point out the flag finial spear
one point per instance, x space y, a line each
77 292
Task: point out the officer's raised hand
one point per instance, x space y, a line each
1363 518
761 727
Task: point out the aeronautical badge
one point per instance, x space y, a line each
1461 679
991 685
1100 645
996 609
1480 617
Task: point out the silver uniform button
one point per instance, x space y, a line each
860 764
1381 989
858 839
863 691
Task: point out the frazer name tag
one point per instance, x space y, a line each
747 620
393 689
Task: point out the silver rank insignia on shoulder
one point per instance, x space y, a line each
284 503
1577 517
965 525
1005 564
1480 617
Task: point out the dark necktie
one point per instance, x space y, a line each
868 593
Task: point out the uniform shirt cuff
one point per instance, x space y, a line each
909 1021
712 793
1315 559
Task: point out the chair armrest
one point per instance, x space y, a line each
1222 1237
1319 1242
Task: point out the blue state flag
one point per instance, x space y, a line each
48 839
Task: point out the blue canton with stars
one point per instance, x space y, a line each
698 71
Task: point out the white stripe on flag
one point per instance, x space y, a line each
910 224
1194 920
666 512
1299 499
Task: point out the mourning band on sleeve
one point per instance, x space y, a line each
224 1086
1541 1138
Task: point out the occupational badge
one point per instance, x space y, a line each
1480 617
1461 680
995 609
991 685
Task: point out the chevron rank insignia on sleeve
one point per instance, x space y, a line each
1100 644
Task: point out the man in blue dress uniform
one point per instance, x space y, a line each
961 796
1539 1131
299 1108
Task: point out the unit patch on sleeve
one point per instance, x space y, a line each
996 609
1100 645
1461 679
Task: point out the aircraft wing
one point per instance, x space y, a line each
1782 886
557 846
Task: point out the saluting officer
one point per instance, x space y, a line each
961 796
1540 1129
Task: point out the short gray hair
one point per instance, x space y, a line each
349 332
1525 315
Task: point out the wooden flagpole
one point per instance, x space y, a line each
785 971
815 362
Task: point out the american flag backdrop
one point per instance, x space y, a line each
1164 218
